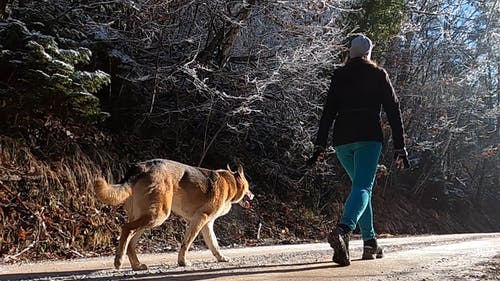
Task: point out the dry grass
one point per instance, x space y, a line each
48 207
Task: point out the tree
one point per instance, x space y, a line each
381 20
446 71
41 79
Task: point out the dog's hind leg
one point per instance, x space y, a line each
196 224
132 255
211 241
128 231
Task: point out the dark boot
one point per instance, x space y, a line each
371 250
339 241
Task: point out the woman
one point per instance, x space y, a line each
357 92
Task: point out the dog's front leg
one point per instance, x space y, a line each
211 241
196 224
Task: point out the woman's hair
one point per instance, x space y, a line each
348 60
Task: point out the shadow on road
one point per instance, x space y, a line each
45 275
174 275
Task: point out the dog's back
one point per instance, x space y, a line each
135 170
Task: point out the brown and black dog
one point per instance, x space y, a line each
152 189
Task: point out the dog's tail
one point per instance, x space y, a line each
114 194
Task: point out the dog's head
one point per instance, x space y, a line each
244 194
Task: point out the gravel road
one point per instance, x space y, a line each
433 257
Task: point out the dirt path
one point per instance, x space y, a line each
438 257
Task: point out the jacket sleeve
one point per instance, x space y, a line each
390 103
327 117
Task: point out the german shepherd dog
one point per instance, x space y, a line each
152 189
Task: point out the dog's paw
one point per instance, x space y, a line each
223 259
182 263
118 262
140 266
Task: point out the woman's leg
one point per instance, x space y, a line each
366 222
364 157
345 154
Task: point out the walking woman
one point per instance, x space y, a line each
358 91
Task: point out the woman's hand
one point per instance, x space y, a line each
318 156
401 159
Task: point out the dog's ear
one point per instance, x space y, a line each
240 171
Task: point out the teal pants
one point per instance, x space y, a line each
360 160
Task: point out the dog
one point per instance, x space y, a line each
151 190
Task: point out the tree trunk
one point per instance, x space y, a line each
3 9
223 41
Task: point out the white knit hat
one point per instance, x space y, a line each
361 46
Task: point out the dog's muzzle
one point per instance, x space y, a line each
245 202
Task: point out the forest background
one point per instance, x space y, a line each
87 87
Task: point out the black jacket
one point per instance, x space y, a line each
357 92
